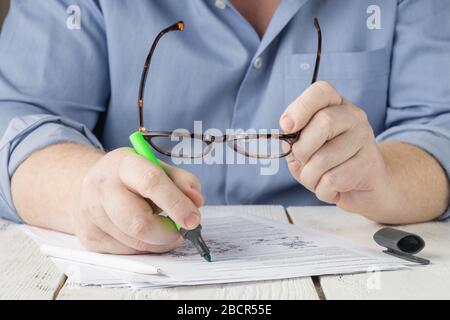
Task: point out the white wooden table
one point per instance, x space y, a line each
26 274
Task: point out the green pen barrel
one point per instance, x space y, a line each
142 148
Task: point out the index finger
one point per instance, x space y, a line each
316 97
149 181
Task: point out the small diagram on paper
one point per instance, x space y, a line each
217 248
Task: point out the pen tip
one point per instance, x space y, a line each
207 257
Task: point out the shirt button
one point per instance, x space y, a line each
257 64
220 4
305 66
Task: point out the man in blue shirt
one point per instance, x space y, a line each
375 130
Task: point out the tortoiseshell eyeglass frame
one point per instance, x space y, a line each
208 140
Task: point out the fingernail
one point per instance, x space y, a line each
287 124
192 220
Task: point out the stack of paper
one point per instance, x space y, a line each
243 248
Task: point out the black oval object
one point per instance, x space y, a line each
411 244
399 241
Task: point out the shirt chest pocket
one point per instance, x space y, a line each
361 77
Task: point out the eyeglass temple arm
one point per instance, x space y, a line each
317 64
179 26
319 50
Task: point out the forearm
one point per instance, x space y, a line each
418 188
46 187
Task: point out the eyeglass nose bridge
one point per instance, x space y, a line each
218 139
229 140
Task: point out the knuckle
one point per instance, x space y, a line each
126 161
305 180
151 179
365 132
325 87
370 130
303 155
320 161
361 115
299 157
295 168
325 122
138 228
368 133
331 180
140 246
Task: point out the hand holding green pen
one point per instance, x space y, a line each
194 236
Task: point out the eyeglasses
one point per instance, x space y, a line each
184 144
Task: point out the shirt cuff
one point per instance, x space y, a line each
26 135
432 139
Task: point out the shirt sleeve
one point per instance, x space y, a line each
54 82
419 101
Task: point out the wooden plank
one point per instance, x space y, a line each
428 282
300 288
24 272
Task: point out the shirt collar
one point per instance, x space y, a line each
284 13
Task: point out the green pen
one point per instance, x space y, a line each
142 148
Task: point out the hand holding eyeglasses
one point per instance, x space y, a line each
336 156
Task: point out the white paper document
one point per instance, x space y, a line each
243 248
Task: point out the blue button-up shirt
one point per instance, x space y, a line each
60 83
